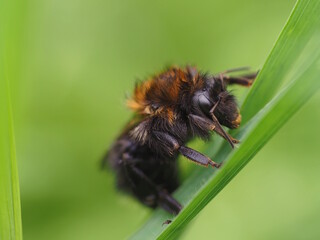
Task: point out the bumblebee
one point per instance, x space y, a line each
170 109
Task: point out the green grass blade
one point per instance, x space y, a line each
291 73
10 210
292 51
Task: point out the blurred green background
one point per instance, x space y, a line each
78 60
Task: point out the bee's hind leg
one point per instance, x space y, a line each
168 203
159 196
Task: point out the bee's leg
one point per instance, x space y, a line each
238 69
197 157
169 142
202 123
218 128
208 124
243 80
168 203
189 153
164 199
223 134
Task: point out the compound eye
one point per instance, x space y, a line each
204 103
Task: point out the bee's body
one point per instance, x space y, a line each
170 109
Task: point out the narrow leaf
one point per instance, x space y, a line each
296 47
10 210
10 213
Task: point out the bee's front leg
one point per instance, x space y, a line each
243 80
210 125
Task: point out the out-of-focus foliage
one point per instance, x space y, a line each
10 209
78 61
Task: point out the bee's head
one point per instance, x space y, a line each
213 92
